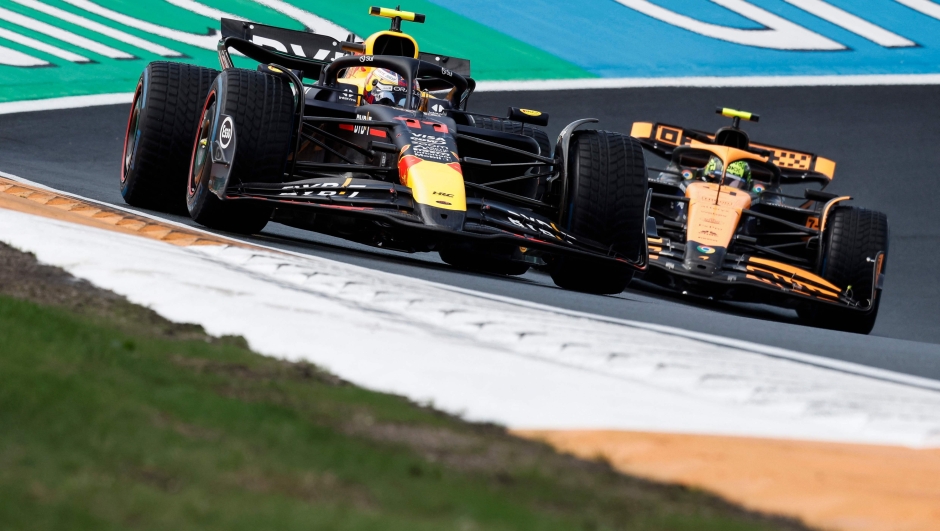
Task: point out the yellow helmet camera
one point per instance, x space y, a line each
737 116
397 16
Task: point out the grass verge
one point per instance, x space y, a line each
113 418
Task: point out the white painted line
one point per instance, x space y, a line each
62 35
99 28
69 102
850 22
778 33
924 6
709 82
208 42
308 19
73 102
42 47
557 84
203 10
14 58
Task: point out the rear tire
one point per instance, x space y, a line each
262 107
607 188
852 236
158 140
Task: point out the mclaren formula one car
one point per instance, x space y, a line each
727 228
373 141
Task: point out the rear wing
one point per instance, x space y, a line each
454 64
308 52
299 50
795 166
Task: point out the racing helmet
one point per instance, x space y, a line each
738 175
713 169
385 87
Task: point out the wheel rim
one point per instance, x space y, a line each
131 136
201 148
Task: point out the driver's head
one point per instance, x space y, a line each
738 175
385 87
713 169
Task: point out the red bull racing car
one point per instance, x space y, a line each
726 227
373 141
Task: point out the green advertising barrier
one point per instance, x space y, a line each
57 48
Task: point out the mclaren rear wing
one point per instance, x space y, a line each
795 166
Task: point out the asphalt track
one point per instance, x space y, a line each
884 140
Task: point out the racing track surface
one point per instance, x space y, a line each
884 140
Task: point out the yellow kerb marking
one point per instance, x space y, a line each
50 204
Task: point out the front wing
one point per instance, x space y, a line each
763 274
485 221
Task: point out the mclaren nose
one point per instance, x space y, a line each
703 260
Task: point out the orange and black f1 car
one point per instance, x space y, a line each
728 227
373 141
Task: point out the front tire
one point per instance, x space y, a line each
606 201
261 106
157 143
852 237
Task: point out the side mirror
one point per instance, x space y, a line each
528 116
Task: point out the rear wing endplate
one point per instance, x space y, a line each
454 64
793 164
312 48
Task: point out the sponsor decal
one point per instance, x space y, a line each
687 174
438 108
758 188
386 75
537 225
226 131
362 129
430 147
317 189
350 94
445 194
530 112
704 249
295 49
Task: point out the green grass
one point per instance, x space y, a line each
115 426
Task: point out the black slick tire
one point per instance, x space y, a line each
607 187
262 107
851 238
159 136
